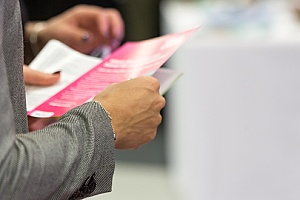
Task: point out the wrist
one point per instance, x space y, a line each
32 34
108 114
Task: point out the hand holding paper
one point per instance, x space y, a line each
131 60
37 78
135 119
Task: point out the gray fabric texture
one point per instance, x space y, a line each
55 162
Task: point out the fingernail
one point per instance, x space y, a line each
105 33
57 72
120 35
85 36
115 44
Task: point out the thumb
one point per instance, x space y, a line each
36 78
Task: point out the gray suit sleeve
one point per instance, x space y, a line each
71 159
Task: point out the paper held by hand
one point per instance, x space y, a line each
83 76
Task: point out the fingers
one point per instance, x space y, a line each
106 24
33 77
134 107
153 84
116 24
79 39
111 26
85 27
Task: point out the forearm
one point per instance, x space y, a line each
58 159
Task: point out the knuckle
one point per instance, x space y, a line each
79 8
151 135
113 11
153 82
159 120
87 8
156 120
162 102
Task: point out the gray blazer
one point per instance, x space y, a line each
71 159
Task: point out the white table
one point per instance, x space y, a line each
233 118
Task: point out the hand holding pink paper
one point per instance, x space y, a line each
131 60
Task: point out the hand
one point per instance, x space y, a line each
36 78
33 77
134 107
39 123
83 28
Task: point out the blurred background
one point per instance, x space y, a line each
231 127
232 121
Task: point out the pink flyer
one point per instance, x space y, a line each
131 60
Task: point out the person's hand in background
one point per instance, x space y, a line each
134 107
82 27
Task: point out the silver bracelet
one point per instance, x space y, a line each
33 37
